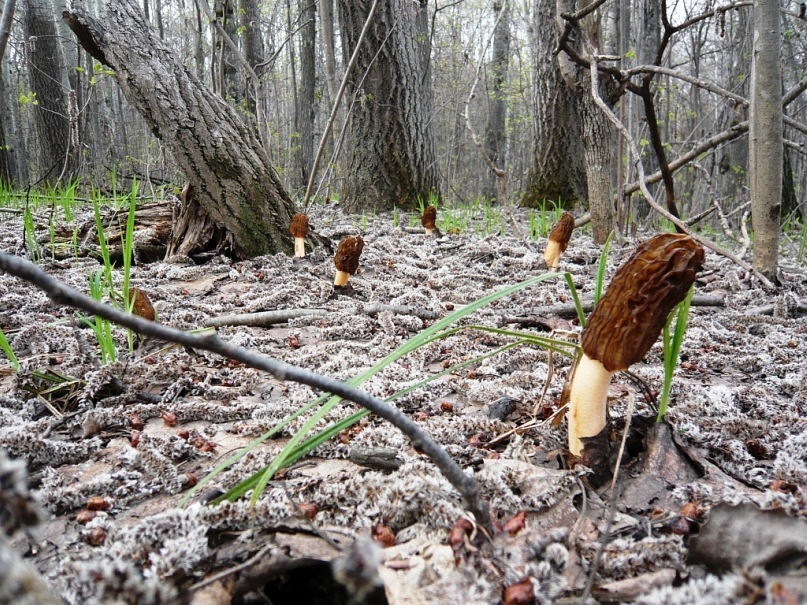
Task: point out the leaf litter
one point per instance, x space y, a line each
731 458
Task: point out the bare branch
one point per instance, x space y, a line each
61 294
649 197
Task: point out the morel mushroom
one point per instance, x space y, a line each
299 230
626 322
347 259
429 219
141 305
558 240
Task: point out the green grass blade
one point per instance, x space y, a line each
12 358
581 316
601 266
672 347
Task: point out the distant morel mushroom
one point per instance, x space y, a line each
299 230
429 219
626 322
142 305
347 259
558 240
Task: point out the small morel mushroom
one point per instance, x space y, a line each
299 230
347 259
141 304
626 322
558 240
429 219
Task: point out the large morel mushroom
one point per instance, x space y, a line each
626 322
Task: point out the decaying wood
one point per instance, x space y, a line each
152 229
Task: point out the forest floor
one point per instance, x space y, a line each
710 506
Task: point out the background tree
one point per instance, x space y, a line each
48 78
392 158
495 141
557 171
765 137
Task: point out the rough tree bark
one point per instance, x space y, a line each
597 132
392 155
765 137
46 71
236 188
495 141
306 105
557 172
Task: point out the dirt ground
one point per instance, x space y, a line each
710 507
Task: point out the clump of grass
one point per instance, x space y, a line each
672 348
6 347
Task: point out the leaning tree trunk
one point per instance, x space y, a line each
234 183
392 153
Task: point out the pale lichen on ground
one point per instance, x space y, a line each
740 401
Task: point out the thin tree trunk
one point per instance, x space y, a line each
306 102
495 142
220 155
765 137
253 47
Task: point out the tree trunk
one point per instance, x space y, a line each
253 46
765 137
47 73
495 142
392 156
235 184
557 171
306 104
597 133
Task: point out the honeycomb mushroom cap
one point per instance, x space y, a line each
562 231
299 225
629 317
348 253
429 217
142 305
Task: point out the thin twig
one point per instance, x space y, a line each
646 192
61 294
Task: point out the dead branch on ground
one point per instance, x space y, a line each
63 295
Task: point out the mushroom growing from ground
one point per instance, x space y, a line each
299 230
429 219
624 325
347 259
558 240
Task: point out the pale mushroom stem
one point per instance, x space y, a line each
587 402
552 255
341 278
299 247
428 230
